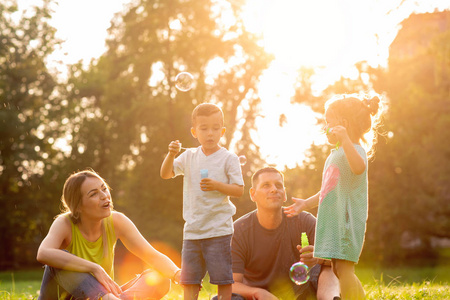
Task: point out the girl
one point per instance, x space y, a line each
79 248
343 198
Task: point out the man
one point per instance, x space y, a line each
264 246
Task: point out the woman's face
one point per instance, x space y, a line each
96 200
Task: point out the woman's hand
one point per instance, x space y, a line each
103 277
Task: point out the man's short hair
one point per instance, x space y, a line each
256 175
205 109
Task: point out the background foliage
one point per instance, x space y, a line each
119 114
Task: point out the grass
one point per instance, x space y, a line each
379 284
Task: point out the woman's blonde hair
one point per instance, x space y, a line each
71 197
363 115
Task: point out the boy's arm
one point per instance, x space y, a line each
233 190
166 171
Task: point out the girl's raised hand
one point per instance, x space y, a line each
340 132
294 209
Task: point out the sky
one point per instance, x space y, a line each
297 32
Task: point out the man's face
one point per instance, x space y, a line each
269 191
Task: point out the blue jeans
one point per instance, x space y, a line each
77 285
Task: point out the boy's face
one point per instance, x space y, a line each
208 130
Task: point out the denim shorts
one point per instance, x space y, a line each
212 255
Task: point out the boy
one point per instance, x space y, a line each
211 175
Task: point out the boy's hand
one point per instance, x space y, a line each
294 209
208 184
174 147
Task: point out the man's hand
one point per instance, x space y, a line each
296 208
262 294
306 255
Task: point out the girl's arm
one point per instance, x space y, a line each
301 205
130 236
356 162
50 253
233 190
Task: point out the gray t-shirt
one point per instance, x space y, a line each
207 214
265 256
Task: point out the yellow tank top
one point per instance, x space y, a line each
93 251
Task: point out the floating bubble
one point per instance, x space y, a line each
299 273
184 81
242 160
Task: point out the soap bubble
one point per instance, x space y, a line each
299 273
242 160
184 81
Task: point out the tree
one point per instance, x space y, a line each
413 172
27 102
126 108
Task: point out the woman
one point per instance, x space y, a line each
79 248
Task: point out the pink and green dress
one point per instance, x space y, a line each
343 209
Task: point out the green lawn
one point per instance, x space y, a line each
396 283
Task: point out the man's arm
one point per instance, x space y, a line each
249 292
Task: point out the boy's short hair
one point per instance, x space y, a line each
256 175
205 109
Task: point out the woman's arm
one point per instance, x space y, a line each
130 236
50 253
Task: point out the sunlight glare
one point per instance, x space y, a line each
298 31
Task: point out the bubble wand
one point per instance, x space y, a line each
299 272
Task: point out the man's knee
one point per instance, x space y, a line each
328 284
342 267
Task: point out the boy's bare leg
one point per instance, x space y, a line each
224 292
191 291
